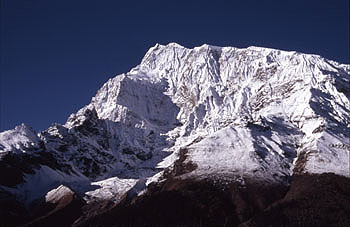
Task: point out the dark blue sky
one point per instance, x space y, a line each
55 54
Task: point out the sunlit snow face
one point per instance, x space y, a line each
239 113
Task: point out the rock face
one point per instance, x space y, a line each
221 117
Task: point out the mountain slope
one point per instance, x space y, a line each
225 115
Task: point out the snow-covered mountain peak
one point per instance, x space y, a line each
203 112
19 139
208 88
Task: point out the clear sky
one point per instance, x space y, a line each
55 54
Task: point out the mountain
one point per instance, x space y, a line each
209 136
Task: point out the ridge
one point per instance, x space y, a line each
228 115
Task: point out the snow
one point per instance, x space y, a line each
19 139
42 181
240 151
225 87
329 154
238 111
55 195
110 189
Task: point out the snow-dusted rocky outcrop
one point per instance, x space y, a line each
239 113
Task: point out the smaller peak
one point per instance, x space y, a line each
204 46
24 128
158 46
153 48
173 44
209 47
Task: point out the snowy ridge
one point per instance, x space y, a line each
254 112
20 139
